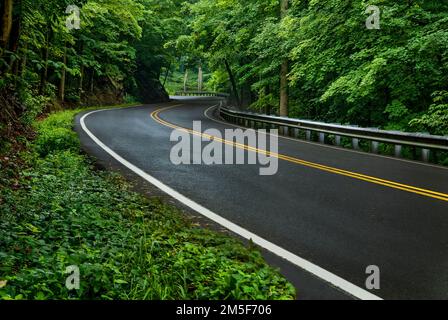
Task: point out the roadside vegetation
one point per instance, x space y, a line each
318 60
57 211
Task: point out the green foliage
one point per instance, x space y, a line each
56 139
129 99
398 115
339 70
33 103
265 100
127 247
175 81
435 120
47 64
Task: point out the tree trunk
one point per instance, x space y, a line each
284 90
14 39
233 82
81 77
6 23
268 108
24 60
200 78
92 81
81 82
168 70
284 72
45 56
185 80
63 76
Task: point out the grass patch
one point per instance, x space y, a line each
62 212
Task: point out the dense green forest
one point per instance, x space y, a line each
53 56
303 58
338 69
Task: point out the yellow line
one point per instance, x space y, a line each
374 180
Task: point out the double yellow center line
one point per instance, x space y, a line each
391 184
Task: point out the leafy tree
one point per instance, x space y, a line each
338 69
44 64
306 58
435 120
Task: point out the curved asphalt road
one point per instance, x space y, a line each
339 223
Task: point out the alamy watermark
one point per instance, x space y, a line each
73 280
373 21
373 281
237 146
73 21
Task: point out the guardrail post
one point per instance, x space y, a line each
296 132
398 150
286 131
375 146
355 143
322 137
308 135
337 140
425 155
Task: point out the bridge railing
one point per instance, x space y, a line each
365 139
202 94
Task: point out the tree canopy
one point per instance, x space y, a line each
339 69
116 53
302 58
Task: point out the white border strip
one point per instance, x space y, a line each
296 260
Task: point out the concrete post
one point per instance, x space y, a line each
375 146
337 140
321 137
308 135
398 150
425 155
355 143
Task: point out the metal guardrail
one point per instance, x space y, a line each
202 94
293 127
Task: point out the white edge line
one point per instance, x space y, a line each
296 260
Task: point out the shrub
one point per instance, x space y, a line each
436 118
56 139
33 104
